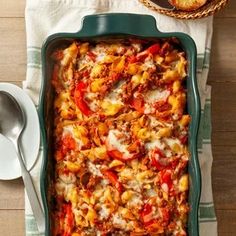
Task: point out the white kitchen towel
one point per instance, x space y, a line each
45 17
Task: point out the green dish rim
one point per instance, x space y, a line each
131 25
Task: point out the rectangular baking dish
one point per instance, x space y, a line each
113 26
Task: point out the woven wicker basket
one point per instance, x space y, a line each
211 7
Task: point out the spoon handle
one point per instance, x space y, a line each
31 192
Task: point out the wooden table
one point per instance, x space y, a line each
222 78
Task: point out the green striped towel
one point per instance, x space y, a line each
45 17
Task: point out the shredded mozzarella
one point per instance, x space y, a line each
100 57
94 169
62 189
69 130
115 143
156 143
157 95
118 220
151 193
104 212
171 141
149 109
135 185
148 63
135 201
68 178
114 96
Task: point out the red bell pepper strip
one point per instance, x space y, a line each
67 144
132 59
113 178
83 106
164 48
165 215
146 213
157 164
155 226
79 98
174 163
116 154
69 220
154 49
184 139
152 223
138 104
92 56
142 56
166 178
159 160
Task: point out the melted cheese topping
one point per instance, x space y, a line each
118 221
149 63
116 143
104 212
94 102
157 95
149 109
94 169
135 201
171 142
156 143
69 130
119 139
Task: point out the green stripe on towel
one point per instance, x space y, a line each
33 48
204 133
207 212
207 122
203 60
33 66
34 57
31 226
206 204
206 61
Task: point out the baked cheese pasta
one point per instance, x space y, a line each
120 138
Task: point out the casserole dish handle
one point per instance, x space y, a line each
123 23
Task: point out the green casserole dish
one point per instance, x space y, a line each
111 26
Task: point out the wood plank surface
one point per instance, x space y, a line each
8 200
226 222
12 223
229 11
222 78
12 8
222 67
224 184
223 106
13 53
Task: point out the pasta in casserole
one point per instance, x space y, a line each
120 138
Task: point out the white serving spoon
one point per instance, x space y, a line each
12 123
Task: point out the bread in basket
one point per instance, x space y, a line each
209 8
